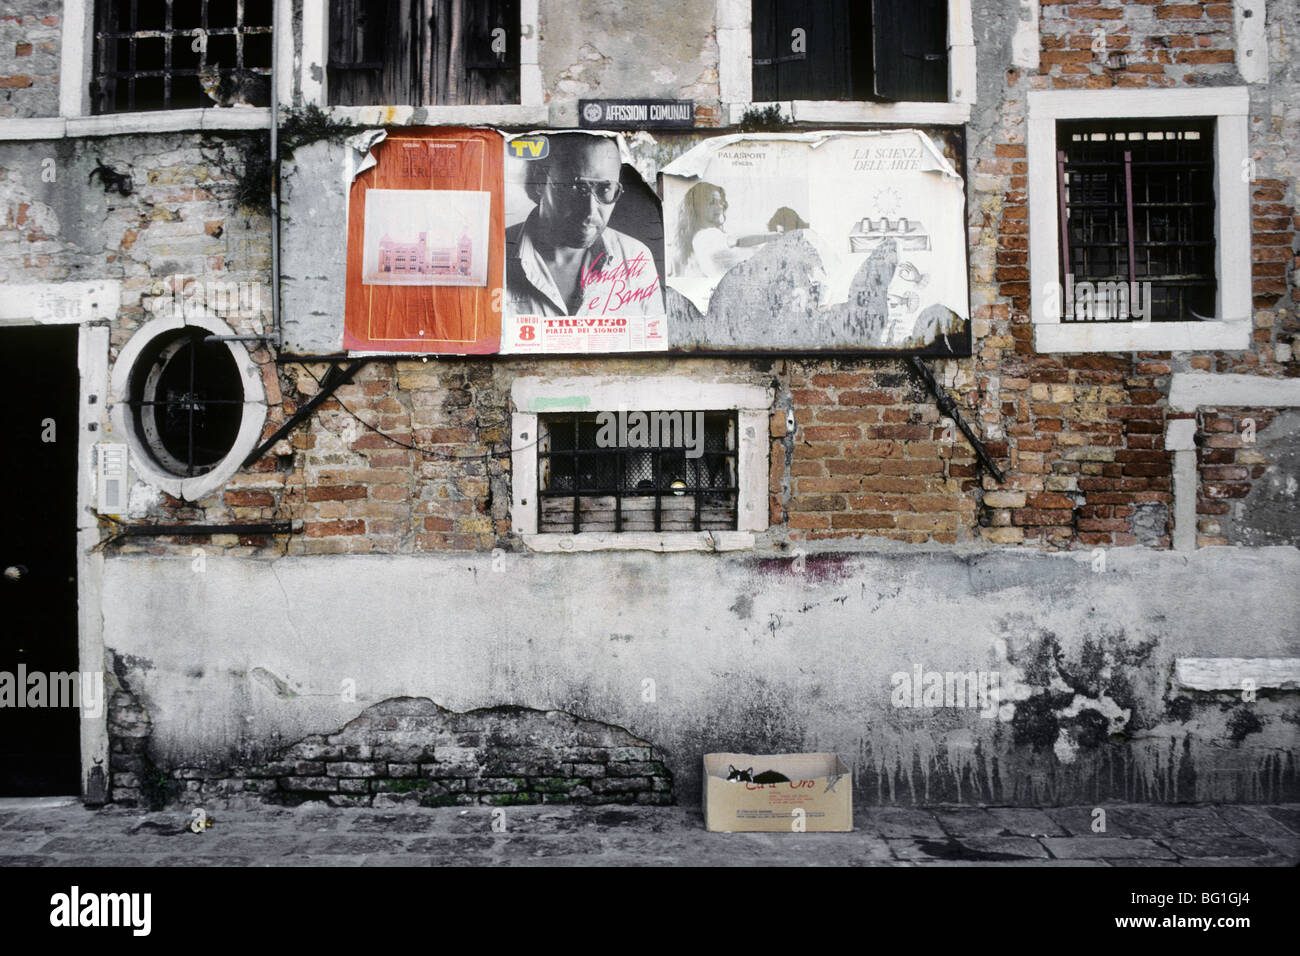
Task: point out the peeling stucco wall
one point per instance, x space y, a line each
1270 513
607 49
745 654
242 659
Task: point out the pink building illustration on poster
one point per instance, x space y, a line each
400 259
425 237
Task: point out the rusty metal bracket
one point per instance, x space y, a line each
334 378
948 407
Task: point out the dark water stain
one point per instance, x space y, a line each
1243 722
816 568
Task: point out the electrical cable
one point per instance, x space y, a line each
423 451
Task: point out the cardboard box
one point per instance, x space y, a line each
818 784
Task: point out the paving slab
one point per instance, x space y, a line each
314 835
900 823
1288 816
1106 848
1022 821
1217 846
973 822
1025 847
1258 824
1017 863
1079 821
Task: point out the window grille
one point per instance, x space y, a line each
585 487
181 54
188 402
1137 206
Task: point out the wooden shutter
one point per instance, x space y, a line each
373 55
821 70
423 52
763 32
492 75
910 43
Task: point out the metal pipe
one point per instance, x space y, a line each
268 527
276 27
948 407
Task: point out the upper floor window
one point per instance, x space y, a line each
180 54
1137 198
423 52
894 50
1139 228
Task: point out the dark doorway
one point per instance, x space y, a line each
39 746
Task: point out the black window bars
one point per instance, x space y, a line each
585 484
188 402
1137 206
180 54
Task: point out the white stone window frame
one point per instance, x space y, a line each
313 77
143 465
736 78
534 396
1228 107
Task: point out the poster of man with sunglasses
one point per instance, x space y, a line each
574 282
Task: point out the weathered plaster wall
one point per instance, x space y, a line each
245 657
745 654
1251 495
608 49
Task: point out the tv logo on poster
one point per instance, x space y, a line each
530 148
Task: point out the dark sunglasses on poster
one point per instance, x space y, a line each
605 191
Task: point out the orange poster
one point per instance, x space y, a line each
426 245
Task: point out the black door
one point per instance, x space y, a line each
39 746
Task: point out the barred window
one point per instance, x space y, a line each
1137 212
620 472
181 54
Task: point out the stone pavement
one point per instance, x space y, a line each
51 832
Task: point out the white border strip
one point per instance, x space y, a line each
92 359
1232 673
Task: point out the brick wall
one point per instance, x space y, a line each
1083 434
29 59
1145 43
869 456
1230 460
411 752
869 460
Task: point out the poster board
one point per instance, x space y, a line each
817 241
584 248
425 244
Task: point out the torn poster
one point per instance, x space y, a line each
584 248
845 240
425 256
